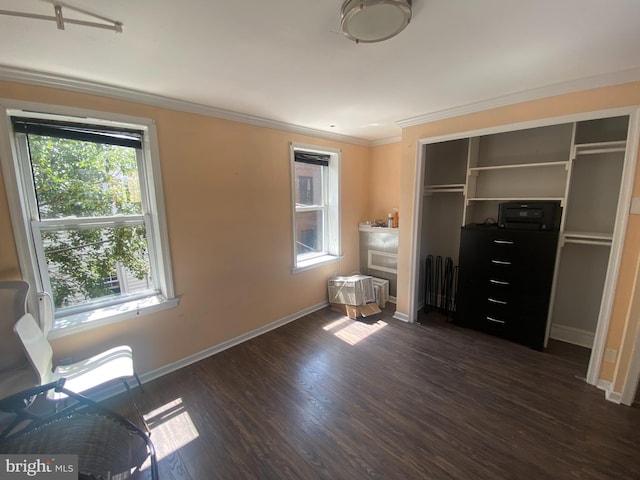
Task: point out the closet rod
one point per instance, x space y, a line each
600 150
602 243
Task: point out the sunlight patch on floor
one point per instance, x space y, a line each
353 331
171 428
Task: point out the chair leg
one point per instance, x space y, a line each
139 382
133 400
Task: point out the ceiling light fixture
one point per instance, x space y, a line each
60 20
370 21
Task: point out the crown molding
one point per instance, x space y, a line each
385 141
52 80
44 79
586 83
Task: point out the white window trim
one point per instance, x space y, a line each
17 188
333 241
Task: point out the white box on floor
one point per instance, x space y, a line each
353 290
381 289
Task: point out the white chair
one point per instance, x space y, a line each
15 373
45 312
80 377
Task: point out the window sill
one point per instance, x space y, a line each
80 322
315 262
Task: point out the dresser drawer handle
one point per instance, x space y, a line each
495 320
500 262
499 302
498 282
503 242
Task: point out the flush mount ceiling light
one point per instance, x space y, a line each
369 21
61 20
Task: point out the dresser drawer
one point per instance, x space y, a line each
497 323
504 275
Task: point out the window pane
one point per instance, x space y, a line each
308 184
97 263
309 235
84 179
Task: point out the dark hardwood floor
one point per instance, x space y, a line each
578 356
325 397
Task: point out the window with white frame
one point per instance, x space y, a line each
90 208
315 192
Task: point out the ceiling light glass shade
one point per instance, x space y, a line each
371 21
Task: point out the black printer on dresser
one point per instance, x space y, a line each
506 274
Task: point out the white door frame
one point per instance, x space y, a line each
630 386
633 375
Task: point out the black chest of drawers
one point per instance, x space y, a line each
505 282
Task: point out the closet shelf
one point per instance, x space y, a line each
600 147
452 187
522 165
587 238
513 199
619 143
594 235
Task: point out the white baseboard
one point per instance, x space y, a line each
117 387
576 336
614 397
609 393
159 372
401 316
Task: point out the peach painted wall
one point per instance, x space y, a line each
585 101
9 268
384 194
228 203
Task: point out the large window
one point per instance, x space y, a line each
315 174
91 215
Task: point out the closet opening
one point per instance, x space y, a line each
583 163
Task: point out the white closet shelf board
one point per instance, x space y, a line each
453 188
562 164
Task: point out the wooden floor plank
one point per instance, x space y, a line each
430 400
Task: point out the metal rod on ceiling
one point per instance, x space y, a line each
60 20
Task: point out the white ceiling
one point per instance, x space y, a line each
287 60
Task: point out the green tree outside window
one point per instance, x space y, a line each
83 179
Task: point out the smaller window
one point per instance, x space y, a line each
315 175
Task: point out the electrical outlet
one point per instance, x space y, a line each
610 355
